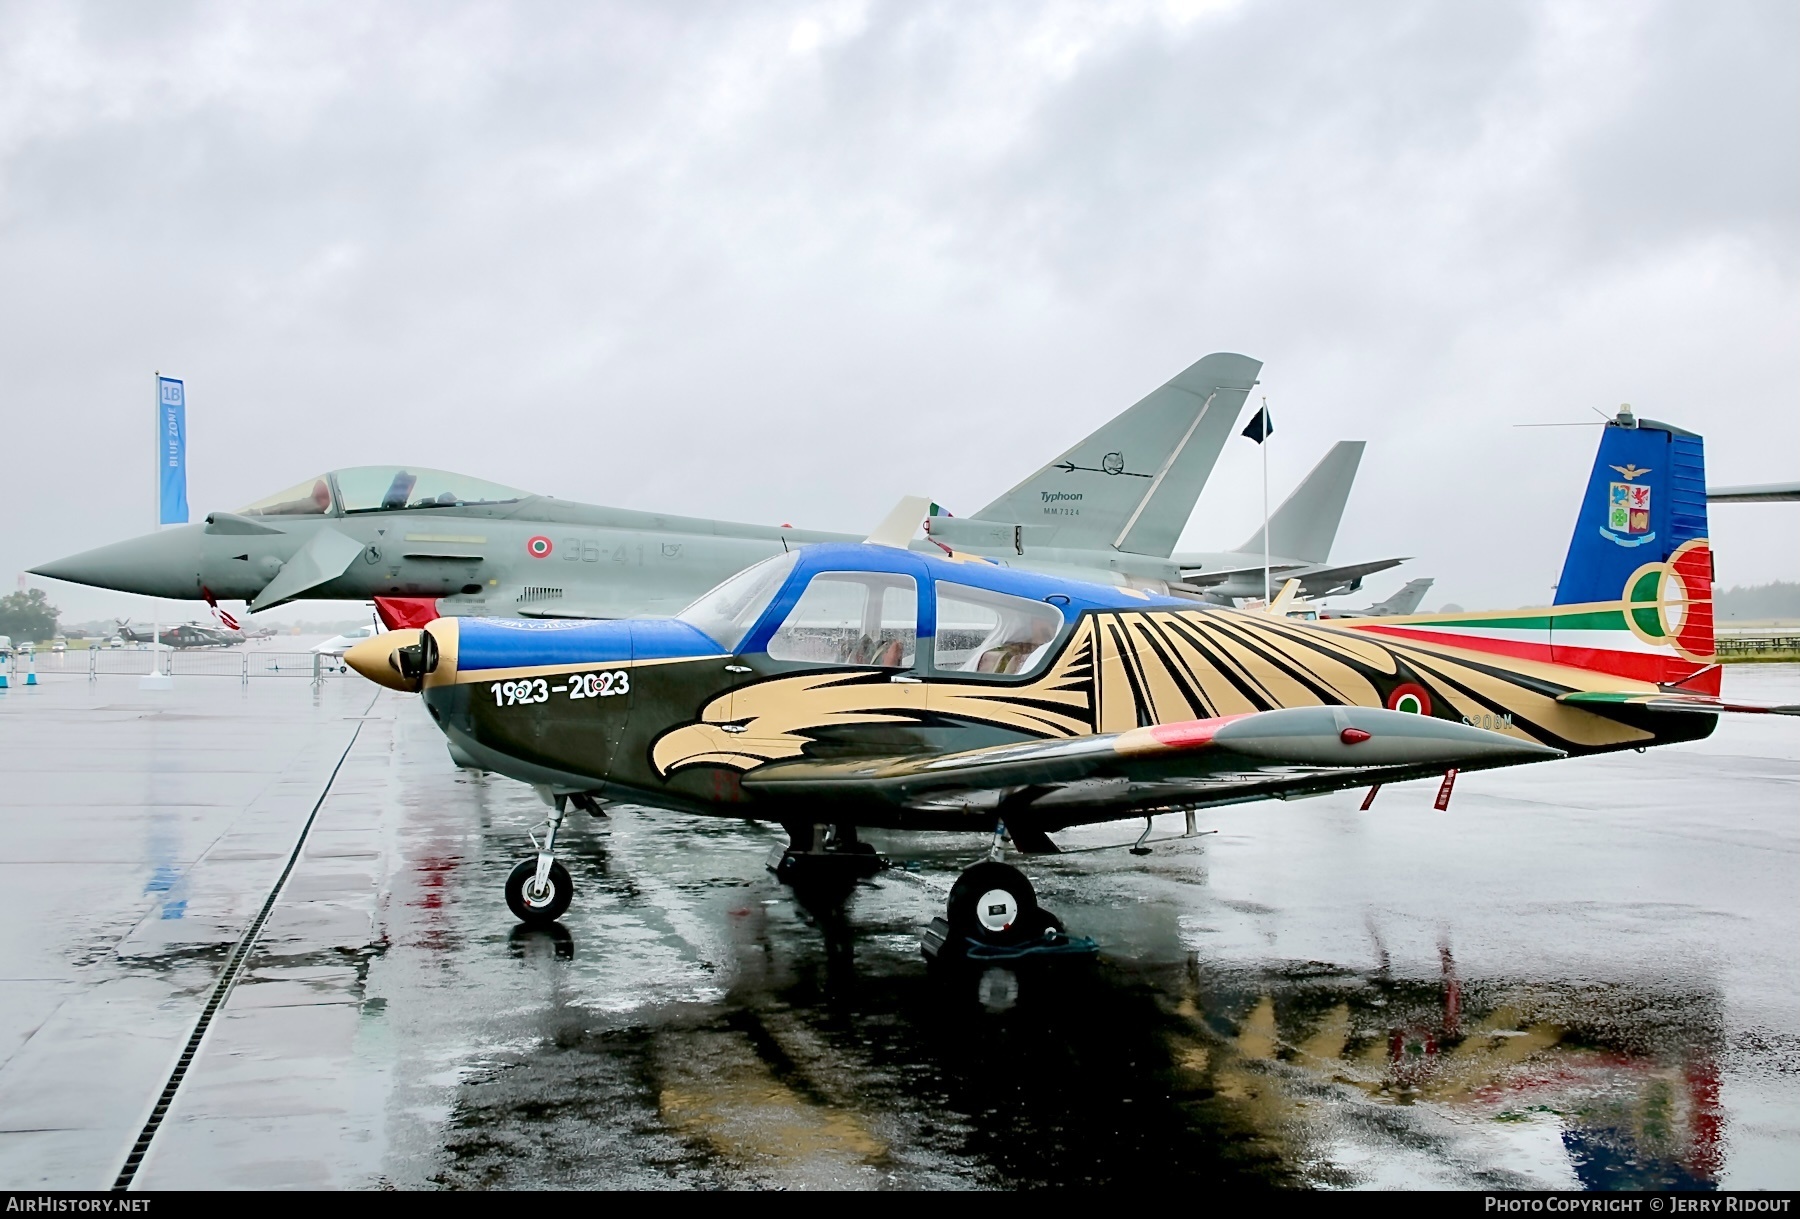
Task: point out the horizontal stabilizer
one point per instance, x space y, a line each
1761 493
1674 701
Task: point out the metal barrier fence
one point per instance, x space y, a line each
1756 645
241 663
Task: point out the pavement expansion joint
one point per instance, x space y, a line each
227 979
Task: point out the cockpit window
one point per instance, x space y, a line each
852 618
310 498
391 488
729 611
987 632
381 488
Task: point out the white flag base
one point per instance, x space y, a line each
156 681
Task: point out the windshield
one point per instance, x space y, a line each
389 488
310 498
729 611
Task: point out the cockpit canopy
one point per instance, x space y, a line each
381 489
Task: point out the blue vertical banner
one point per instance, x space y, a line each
171 452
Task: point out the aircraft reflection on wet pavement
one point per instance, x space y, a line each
1284 1074
846 687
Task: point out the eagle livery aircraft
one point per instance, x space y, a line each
844 686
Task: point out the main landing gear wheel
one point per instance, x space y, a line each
993 903
539 907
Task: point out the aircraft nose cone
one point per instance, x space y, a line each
377 659
164 564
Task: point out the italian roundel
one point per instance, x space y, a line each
1410 698
538 547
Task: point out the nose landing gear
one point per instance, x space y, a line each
539 890
539 900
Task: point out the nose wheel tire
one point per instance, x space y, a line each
993 903
538 909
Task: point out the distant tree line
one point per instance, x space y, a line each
28 616
1778 600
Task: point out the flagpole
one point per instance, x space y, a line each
156 514
1264 446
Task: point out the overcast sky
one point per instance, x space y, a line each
788 262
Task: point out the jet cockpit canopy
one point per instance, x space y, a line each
381 489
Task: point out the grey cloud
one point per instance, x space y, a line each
683 257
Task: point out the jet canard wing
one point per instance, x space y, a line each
1283 753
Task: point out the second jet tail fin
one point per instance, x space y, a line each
1132 485
1306 524
1405 601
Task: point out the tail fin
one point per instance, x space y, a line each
1403 602
1641 535
1635 598
1132 485
1306 524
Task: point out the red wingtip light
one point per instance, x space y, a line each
1353 736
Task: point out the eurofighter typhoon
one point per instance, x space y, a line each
427 543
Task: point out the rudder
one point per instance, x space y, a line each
1641 539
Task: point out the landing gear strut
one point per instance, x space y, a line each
824 856
539 890
993 915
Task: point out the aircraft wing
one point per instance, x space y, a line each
1283 753
1314 581
1207 577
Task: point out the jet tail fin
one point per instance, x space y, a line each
1132 484
1306 524
1403 602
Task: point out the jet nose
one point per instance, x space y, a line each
164 564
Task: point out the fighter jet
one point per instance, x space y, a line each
1403 602
840 687
426 543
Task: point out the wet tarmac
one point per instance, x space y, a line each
1584 974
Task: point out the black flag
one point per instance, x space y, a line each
1261 427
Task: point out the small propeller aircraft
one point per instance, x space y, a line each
849 686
